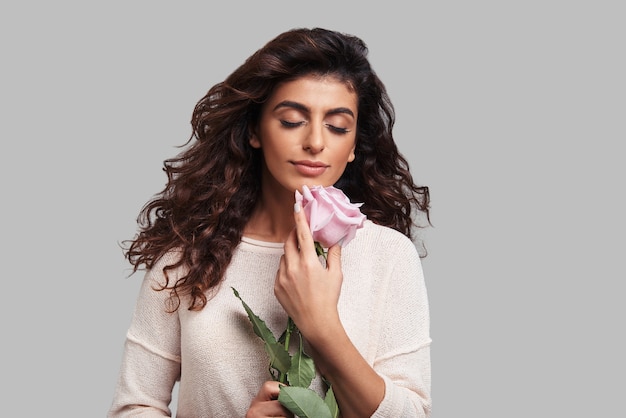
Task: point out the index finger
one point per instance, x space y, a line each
303 231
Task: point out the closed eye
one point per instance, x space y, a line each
337 129
288 124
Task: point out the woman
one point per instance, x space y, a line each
305 110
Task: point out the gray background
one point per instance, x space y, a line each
511 112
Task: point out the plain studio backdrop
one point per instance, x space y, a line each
513 113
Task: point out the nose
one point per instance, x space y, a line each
314 141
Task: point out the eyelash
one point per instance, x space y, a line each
288 124
335 129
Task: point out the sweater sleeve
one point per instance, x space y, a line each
403 358
151 358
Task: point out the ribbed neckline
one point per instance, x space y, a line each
262 244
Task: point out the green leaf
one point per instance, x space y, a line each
303 402
279 357
331 403
258 325
302 370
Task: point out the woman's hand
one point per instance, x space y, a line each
309 293
307 290
265 403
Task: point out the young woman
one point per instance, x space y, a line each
305 110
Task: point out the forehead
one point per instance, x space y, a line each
313 91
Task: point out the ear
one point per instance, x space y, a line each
352 156
253 139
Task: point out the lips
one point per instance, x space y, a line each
310 168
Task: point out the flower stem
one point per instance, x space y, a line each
291 327
319 250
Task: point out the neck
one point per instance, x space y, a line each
272 218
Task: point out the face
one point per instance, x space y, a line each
307 134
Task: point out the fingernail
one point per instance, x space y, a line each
296 207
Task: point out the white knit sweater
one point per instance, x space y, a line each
219 361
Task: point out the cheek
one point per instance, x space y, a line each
272 137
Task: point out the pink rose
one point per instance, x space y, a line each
331 216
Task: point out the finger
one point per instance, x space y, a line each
303 231
268 409
291 244
333 258
270 390
273 408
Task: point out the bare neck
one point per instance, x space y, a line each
271 219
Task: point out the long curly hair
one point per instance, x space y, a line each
215 181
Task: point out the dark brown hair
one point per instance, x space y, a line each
213 184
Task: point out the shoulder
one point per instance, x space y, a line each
163 269
383 261
382 240
373 231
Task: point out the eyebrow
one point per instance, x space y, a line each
300 106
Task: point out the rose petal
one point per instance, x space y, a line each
331 215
